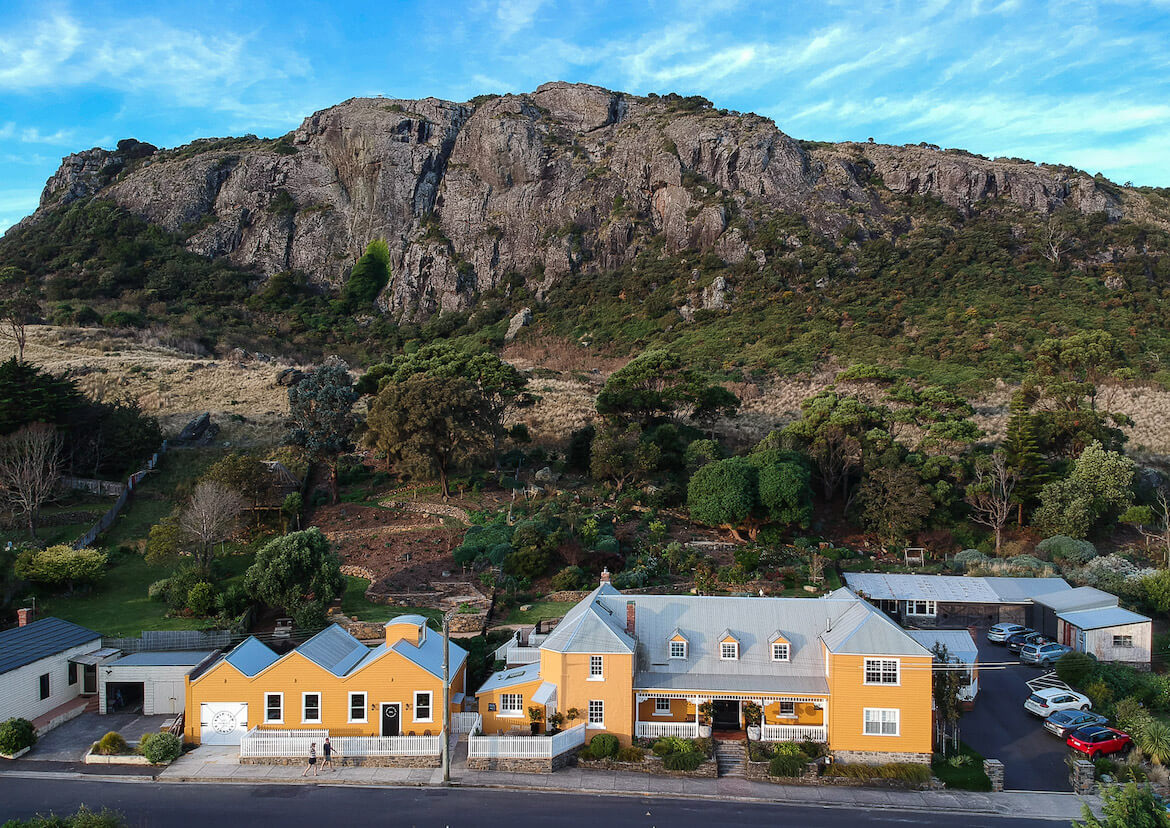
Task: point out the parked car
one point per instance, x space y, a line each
1043 655
283 629
1044 703
1017 642
1098 741
1064 722
999 633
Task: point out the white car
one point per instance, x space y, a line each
1000 633
1044 703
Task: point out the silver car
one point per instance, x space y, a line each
1000 632
1043 655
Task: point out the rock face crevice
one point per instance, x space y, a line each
567 179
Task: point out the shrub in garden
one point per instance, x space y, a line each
16 735
675 744
787 764
631 754
112 744
160 748
568 578
1067 551
968 559
683 761
201 599
788 749
905 771
158 590
1074 669
603 745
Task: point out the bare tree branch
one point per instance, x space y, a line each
990 495
30 466
210 516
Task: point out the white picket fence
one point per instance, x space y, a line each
283 744
522 655
793 733
462 723
656 730
525 747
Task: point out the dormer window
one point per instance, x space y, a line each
729 650
678 649
780 651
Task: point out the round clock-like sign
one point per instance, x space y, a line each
223 722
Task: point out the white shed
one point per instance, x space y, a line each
1109 633
154 680
40 676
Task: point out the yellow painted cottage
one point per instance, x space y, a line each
332 682
833 670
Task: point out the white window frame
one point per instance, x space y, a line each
596 668
508 712
791 714
779 654
723 650
881 719
1123 642
882 670
349 710
305 703
680 644
929 608
591 722
430 705
268 720
658 711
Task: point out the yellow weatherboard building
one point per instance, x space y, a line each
332 682
834 670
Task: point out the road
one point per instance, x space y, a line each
292 806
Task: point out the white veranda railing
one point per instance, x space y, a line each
525 747
522 655
656 730
793 733
283 744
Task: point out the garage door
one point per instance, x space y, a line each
222 723
168 698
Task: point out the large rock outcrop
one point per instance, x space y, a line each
570 178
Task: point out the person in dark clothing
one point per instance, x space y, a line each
327 751
312 760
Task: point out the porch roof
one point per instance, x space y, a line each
511 678
709 682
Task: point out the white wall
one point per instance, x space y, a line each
1100 643
20 689
149 676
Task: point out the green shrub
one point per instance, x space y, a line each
905 771
604 745
607 545
158 590
683 761
631 754
112 744
1075 669
1068 551
201 598
123 319
568 578
675 744
787 764
788 749
160 748
84 818
16 735
814 750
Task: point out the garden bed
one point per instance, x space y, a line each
651 764
92 757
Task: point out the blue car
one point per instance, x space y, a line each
1063 722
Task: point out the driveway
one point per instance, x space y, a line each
1000 728
70 741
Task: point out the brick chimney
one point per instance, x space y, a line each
631 614
605 575
24 616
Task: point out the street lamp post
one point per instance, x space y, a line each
446 698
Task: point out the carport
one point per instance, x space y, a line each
156 680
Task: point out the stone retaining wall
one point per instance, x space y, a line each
350 761
758 771
866 757
525 765
653 764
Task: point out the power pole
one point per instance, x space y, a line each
446 699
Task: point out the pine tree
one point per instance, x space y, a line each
1022 450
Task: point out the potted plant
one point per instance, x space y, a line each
753 714
535 715
706 712
571 715
555 720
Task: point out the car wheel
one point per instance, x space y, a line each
1084 708
1092 755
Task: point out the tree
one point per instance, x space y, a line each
783 487
209 516
949 678
1100 484
724 494
166 541
619 453
1153 521
1127 806
834 430
61 566
370 274
18 307
321 413
430 426
991 494
244 474
30 395
30 466
296 571
1021 450
1055 239
657 384
894 503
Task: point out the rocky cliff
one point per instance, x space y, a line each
570 178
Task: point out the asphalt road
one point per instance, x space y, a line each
292 806
1000 728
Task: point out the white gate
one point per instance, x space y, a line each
222 723
168 698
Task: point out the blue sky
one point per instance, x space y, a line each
1081 83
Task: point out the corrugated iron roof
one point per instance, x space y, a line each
335 649
429 655
592 626
41 639
1080 598
705 682
251 656
511 678
959 643
954 589
1096 619
870 632
1022 590
166 658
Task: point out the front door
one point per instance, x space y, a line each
88 679
726 715
391 719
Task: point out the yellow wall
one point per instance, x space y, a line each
493 722
570 673
681 710
391 678
849 696
806 714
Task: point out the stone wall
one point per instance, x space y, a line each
994 770
758 771
511 765
653 764
1083 777
350 761
868 757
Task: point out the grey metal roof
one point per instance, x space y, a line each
412 618
41 639
251 656
1080 598
683 682
959 643
865 630
429 655
952 588
334 649
1096 619
547 692
168 658
595 625
511 678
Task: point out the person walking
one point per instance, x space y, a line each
327 751
312 760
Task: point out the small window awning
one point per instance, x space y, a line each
96 657
545 694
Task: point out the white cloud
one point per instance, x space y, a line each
516 15
62 137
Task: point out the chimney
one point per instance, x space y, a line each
631 613
24 616
605 575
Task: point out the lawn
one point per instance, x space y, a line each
354 602
538 611
968 777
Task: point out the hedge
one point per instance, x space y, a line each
906 771
16 735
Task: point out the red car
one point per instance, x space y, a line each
1098 741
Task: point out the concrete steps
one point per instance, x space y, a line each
730 758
